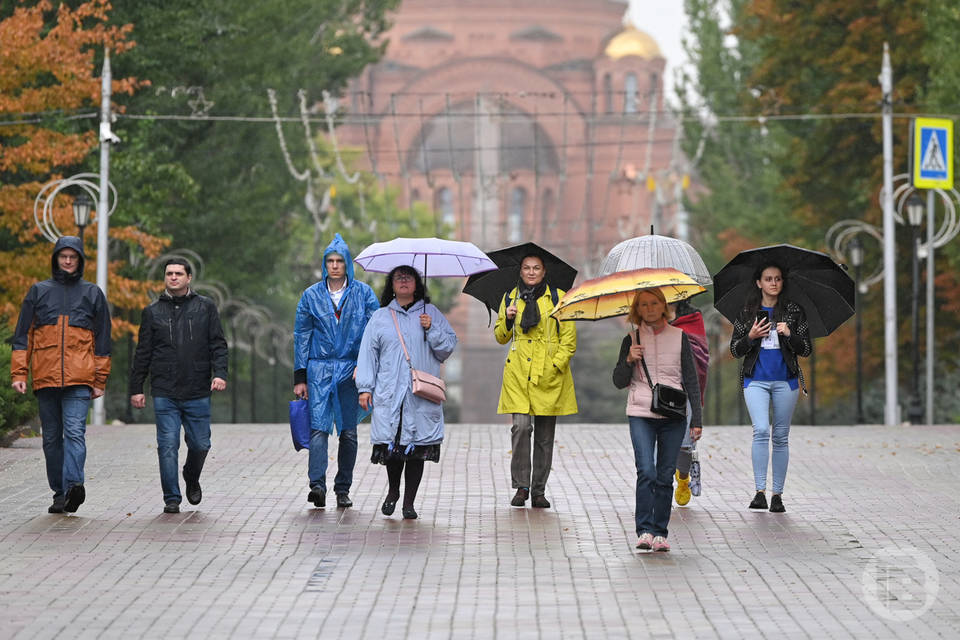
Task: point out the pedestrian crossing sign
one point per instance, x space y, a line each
931 153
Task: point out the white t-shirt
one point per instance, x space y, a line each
336 296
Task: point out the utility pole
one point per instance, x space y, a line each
103 227
931 348
891 407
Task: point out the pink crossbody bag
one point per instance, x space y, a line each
425 385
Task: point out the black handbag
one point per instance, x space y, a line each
667 401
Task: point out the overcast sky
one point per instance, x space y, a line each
665 21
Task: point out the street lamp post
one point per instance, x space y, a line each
82 205
915 213
856 258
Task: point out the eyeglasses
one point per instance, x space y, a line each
67 257
400 277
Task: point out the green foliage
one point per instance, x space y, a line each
15 408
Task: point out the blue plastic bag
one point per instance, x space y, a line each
300 424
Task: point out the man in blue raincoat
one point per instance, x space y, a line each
331 317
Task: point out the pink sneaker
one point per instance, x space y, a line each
645 542
660 544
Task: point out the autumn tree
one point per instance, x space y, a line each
47 88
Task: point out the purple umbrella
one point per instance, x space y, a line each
430 256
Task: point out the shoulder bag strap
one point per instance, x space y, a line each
646 373
400 335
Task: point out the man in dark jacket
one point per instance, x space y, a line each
63 338
181 345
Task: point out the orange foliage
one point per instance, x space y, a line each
47 69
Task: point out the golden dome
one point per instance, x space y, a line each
632 42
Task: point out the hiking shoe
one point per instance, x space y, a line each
57 506
660 544
695 475
759 501
540 502
171 507
776 504
75 497
344 501
520 497
318 496
645 542
682 492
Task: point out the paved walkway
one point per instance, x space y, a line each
869 546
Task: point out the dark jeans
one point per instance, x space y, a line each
63 420
543 429
656 443
194 415
346 459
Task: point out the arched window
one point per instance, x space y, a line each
630 93
518 203
607 94
546 211
443 204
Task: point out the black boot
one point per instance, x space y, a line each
191 474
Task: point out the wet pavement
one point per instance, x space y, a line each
868 548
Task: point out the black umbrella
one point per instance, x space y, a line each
490 286
814 281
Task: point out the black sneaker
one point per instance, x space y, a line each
194 493
171 507
759 501
776 504
344 501
540 502
57 506
318 496
520 497
75 497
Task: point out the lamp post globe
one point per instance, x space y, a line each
82 206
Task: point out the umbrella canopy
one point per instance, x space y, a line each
653 251
490 287
432 257
611 295
814 281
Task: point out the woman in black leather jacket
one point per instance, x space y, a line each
769 334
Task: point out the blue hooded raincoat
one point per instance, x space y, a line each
383 371
326 349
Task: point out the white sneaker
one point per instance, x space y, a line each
645 542
660 544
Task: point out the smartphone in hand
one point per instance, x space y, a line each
762 317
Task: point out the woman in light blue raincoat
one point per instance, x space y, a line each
331 317
406 430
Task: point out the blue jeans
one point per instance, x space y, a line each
194 415
63 421
656 443
759 396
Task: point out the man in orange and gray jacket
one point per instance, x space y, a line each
63 339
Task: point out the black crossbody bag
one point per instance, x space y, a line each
667 401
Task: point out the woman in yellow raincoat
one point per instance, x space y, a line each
537 383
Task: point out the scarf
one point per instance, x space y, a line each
531 311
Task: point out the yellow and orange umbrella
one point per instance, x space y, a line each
611 295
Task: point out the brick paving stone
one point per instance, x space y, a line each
869 509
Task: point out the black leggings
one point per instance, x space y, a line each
412 477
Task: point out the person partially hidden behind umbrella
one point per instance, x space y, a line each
665 352
63 338
331 317
406 429
688 319
769 334
537 382
181 346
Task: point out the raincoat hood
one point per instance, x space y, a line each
67 242
339 246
